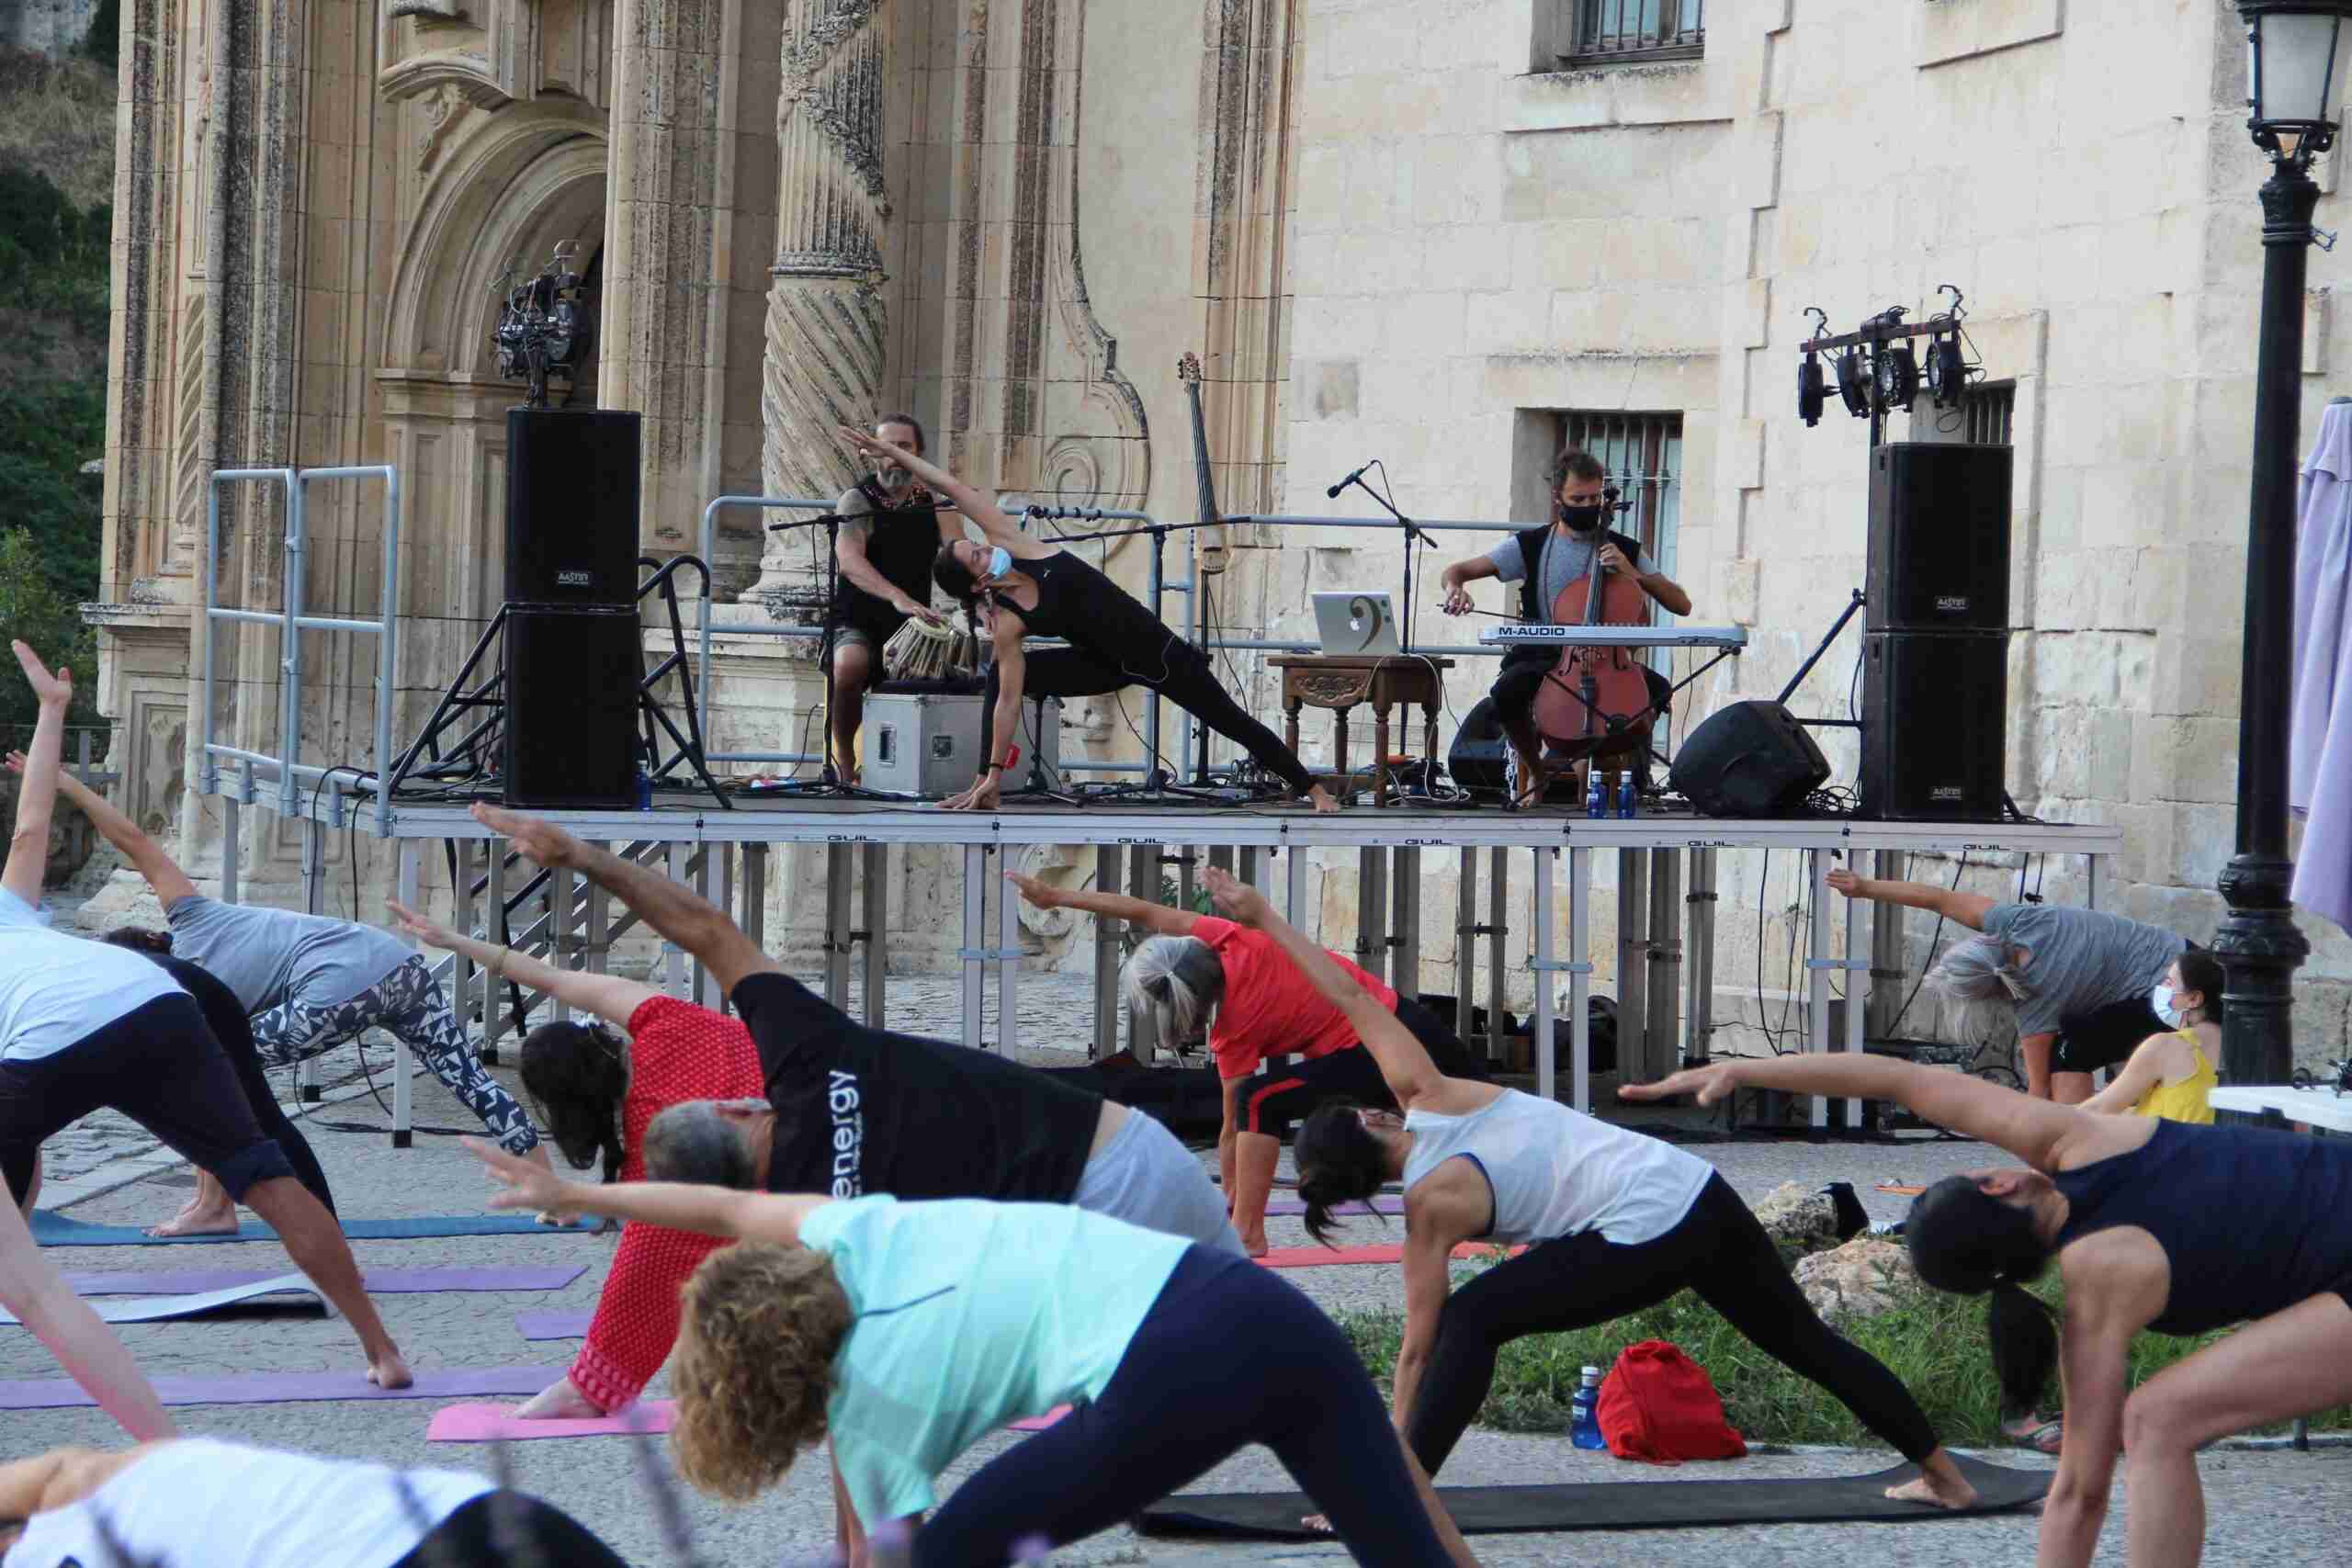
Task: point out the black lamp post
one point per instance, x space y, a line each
2291 49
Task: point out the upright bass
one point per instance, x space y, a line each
1595 702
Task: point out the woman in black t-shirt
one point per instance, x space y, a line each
1033 587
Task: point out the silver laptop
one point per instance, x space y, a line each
1359 624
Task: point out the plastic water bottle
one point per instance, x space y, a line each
1628 800
1584 1423
1596 794
644 791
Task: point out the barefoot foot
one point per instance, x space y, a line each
1940 1485
386 1369
198 1221
1322 798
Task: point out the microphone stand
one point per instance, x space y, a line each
1413 532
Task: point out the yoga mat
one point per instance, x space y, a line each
1038 1422
538 1325
1618 1505
155 1309
495 1423
1900 1189
1384 1205
381 1281
56 1230
286 1388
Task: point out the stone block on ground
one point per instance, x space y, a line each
1866 1277
1802 1217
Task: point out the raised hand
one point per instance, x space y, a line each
1239 902
1708 1084
15 761
54 691
1034 892
866 445
543 843
527 1185
408 922
1848 884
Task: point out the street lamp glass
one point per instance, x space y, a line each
2290 67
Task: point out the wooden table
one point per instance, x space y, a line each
1341 682
2306 1107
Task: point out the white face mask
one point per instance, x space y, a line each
1000 561
2161 1001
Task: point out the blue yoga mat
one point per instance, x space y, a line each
56 1230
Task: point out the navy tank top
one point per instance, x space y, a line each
2253 1219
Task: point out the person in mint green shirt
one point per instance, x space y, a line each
907 1332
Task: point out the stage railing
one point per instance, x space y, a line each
287 767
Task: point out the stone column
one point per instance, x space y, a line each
826 350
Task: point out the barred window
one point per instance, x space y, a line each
1642 453
1609 32
1985 414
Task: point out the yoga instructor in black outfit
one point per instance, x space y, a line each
1034 588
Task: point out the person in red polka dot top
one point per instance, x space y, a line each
596 1093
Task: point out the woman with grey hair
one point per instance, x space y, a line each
2079 980
1197 975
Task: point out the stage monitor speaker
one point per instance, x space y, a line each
1752 758
1939 537
572 494
1934 726
572 679
1480 753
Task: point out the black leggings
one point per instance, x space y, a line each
1228 1356
498 1530
1177 671
1718 1250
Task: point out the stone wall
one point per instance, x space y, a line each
52 26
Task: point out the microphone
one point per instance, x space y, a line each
1333 493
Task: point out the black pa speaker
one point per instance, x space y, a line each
1752 758
1940 537
1481 751
571 494
572 679
1935 725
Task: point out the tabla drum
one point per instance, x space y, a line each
921 651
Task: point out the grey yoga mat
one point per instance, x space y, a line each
155 1309
1621 1505
56 1230
278 1388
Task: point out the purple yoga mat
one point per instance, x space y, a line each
381 1281
282 1388
553 1325
1297 1206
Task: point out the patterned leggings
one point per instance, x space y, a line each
411 1004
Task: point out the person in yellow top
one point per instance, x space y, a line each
2171 1074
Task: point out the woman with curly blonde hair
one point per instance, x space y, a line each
907 1332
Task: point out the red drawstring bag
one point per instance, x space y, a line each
1660 1405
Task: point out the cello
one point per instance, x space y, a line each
1595 702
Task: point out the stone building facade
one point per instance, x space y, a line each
1445 232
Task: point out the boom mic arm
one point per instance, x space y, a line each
1334 492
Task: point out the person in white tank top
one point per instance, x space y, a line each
1613 1222
201 1502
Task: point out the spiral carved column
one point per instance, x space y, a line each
826 353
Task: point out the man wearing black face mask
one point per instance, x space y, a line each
1542 561
885 554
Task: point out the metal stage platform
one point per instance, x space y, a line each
724 853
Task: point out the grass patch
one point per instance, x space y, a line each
1934 1343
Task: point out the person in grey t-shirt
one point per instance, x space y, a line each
1579 535
2079 980
310 983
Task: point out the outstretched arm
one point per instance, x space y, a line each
609 997
999 529
705 1211
2143 1072
676 912
2030 1129
1968 909
163 873
1405 1063
83 1346
37 801
1157 919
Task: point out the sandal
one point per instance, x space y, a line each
2042 1431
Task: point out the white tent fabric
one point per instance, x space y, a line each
2320 747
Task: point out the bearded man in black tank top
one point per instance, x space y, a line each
1027 587
893 530
1543 560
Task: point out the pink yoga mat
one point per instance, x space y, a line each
1039 1423
495 1423
281 1388
381 1281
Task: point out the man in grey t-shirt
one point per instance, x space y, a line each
310 983
1568 549
2080 979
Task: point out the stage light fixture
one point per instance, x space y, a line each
1812 393
1853 383
1947 373
1896 379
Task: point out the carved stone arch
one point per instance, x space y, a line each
524 180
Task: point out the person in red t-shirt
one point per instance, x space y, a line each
597 1097
1197 970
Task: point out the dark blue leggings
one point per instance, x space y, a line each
1228 1356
